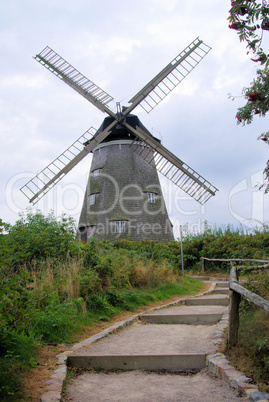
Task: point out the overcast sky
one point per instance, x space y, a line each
120 46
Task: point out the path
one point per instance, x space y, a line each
166 354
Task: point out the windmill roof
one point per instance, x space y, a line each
120 132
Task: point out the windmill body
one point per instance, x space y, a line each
123 198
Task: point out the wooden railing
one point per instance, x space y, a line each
236 291
231 260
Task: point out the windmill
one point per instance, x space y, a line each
123 195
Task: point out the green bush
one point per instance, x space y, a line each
56 322
35 237
17 303
247 246
10 380
192 252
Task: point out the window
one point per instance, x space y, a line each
92 199
120 226
151 198
96 172
83 233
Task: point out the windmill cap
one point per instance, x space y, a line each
120 132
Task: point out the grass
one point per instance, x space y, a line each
251 354
105 308
11 381
131 299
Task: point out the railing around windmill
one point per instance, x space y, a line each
237 290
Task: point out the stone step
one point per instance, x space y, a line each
223 284
220 300
143 346
192 319
223 291
172 362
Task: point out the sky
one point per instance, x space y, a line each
121 46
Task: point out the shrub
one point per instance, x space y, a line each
10 380
56 322
36 237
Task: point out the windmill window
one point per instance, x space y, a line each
151 198
92 199
96 172
120 226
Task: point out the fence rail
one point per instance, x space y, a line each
236 291
204 260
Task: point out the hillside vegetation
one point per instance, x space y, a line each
52 285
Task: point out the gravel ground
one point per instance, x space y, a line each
138 386
153 339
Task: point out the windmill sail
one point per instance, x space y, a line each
160 86
171 167
72 77
39 185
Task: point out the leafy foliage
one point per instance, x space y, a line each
225 244
251 19
257 282
35 237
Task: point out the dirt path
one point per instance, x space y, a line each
34 384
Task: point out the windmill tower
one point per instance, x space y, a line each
123 198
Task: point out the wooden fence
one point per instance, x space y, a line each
237 291
231 260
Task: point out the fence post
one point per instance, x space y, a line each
233 311
203 265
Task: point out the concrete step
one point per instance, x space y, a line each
172 362
224 284
143 346
223 291
192 319
216 300
182 314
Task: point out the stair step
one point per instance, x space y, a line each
181 318
173 362
208 300
223 291
223 284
